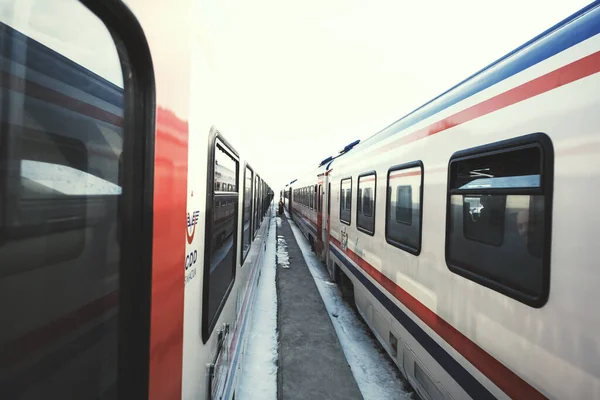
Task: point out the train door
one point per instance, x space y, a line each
290 201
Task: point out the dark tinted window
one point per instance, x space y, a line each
221 235
247 227
365 203
61 163
359 203
498 217
403 207
346 201
256 220
404 204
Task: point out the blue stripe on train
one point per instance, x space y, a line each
467 381
580 26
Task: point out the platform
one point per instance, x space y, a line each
312 364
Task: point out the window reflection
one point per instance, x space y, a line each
497 216
222 231
403 227
61 144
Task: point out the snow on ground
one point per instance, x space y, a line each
376 375
282 255
259 369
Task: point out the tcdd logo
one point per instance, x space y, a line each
191 259
191 223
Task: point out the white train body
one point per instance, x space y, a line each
468 310
108 153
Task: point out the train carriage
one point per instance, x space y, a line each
466 228
108 152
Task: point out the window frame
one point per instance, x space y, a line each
207 327
242 255
349 222
395 243
135 268
546 188
359 192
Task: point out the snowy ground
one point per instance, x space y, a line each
376 375
282 255
259 369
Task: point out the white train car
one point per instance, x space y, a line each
108 153
467 228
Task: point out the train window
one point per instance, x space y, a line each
306 197
264 201
346 201
365 203
403 206
359 202
499 209
255 199
69 188
247 213
221 233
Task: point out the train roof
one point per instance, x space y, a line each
572 30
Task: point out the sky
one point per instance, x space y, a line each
303 79
297 81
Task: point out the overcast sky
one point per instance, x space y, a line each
305 78
300 80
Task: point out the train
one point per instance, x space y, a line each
464 232
109 151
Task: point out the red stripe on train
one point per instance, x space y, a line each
572 72
168 251
404 174
509 382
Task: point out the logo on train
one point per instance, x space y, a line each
344 239
192 220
